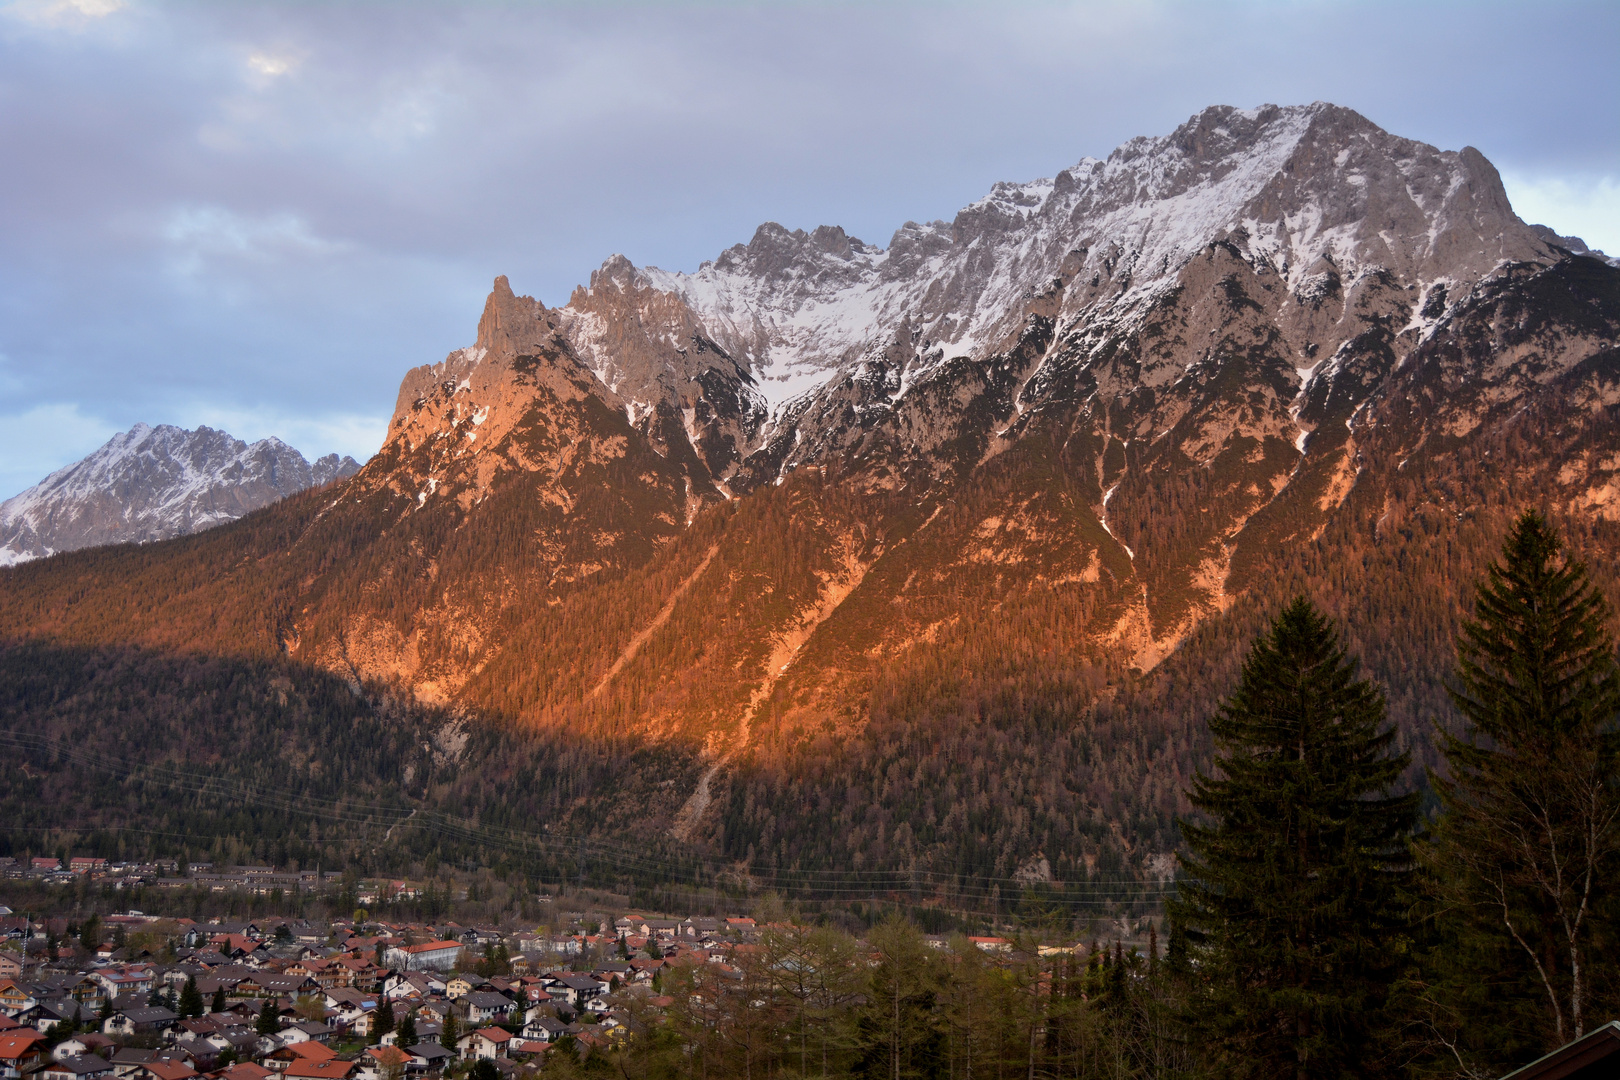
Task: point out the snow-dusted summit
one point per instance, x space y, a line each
152 483
762 359
1311 190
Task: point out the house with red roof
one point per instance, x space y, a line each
490 1042
22 1050
243 1070
161 1069
284 1058
335 1069
382 1061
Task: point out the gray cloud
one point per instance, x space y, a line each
258 216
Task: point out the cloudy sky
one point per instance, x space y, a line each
257 216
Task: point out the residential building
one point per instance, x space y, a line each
486 1005
382 1063
153 1020
78 1067
544 1029
161 1069
284 1058
427 1058
13 998
335 1069
438 955
21 1052
484 1043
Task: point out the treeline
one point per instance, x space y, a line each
817 1002
132 754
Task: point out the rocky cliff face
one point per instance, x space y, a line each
154 483
1224 307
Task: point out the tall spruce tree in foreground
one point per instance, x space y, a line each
1526 856
1295 901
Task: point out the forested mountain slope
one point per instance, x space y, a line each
961 605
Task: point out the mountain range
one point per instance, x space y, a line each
929 558
153 483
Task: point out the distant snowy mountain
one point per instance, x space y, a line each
152 483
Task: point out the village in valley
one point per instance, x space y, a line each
137 996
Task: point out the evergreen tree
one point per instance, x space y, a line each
269 1022
1113 995
191 1002
897 1032
383 1022
218 1005
451 1031
1525 857
407 1030
1295 890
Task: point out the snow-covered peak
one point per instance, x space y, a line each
151 483
1310 189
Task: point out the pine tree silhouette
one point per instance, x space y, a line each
1297 872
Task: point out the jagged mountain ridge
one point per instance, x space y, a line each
1344 357
745 359
1138 215
1287 249
1311 191
153 483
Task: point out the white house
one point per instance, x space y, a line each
438 955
